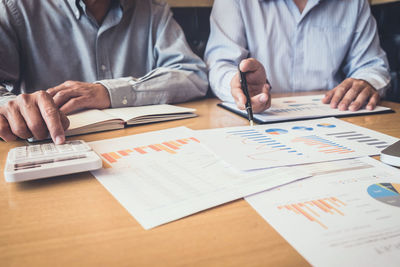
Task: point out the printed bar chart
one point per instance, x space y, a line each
265 139
325 146
313 209
171 147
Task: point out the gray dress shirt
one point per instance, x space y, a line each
139 52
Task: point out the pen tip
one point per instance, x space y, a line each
251 123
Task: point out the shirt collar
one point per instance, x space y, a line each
73 4
78 6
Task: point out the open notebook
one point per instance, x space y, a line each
95 120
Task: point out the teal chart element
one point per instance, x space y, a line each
385 192
302 128
326 125
276 131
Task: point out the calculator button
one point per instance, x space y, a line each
64 148
34 151
49 149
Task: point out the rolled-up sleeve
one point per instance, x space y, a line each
226 47
366 59
178 75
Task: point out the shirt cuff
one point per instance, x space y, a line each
121 91
225 94
376 80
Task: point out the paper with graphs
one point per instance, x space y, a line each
299 107
293 143
166 175
347 215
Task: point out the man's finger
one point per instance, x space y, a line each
64 121
361 99
62 97
74 104
373 101
65 85
51 117
54 90
260 102
16 121
328 97
239 97
339 92
5 130
250 65
34 121
350 96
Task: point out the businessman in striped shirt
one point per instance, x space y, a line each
297 45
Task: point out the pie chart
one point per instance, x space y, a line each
326 125
302 128
387 193
276 131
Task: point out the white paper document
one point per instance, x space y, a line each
299 107
166 175
292 143
349 216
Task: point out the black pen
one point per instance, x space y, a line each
245 89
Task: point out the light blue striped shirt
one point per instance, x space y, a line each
314 50
139 52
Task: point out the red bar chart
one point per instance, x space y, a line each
313 210
171 147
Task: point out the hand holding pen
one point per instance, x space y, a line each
258 88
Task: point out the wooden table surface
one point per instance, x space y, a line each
73 220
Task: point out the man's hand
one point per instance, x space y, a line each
32 115
259 90
72 96
352 94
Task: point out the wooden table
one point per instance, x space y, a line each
74 221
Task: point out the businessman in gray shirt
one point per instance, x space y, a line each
60 56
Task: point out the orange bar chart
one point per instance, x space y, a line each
324 146
171 147
312 210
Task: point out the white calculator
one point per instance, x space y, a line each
46 160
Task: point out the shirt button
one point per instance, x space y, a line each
103 67
125 101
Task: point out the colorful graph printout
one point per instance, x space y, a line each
386 193
171 147
297 108
302 128
292 143
345 217
163 176
313 208
276 131
326 125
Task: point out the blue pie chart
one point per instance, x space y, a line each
302 128
387 193
276 131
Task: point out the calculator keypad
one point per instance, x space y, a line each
34 152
